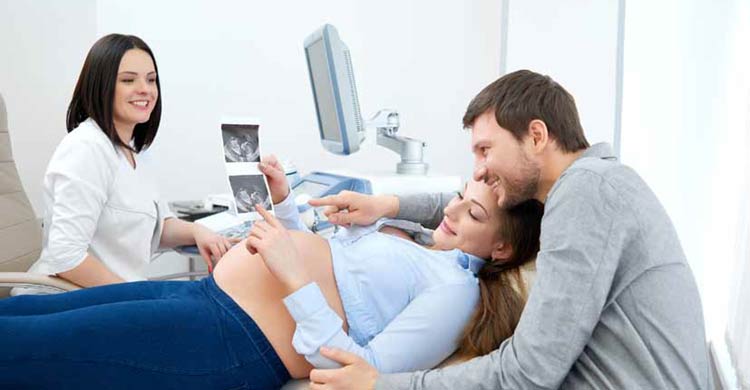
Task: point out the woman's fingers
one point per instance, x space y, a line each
206 258
271 167
268 217
252 244
270 159
222 248
227 244
215 251
261 225
264 233
257 233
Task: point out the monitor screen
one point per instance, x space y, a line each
340 123
321 83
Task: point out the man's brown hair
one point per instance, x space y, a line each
522 96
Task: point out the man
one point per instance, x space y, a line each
614 304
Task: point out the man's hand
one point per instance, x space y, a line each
272 241
353 208
277 183
355 373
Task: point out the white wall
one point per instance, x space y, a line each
685 127
575 42
42 47
245 58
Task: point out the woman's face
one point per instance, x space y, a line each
135 89
471 222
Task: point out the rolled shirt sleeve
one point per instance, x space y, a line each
163 214
78 190
287 213
433 321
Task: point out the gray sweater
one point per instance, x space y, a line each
614 305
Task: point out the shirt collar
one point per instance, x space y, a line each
601 150
470 262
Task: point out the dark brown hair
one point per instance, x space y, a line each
94 94
522 96
502 291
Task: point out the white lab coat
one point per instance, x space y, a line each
95 202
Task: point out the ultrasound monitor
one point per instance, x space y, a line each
334 91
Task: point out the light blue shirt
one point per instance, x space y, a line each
406 305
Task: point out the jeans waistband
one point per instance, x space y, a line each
252 330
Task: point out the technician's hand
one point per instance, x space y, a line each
277 182
211 244
274 244
356 373
354 208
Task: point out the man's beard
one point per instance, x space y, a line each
520 188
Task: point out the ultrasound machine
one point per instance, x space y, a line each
342 130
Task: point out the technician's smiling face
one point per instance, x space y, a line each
135 89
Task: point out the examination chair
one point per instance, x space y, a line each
20 230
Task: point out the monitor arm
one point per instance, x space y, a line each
411 150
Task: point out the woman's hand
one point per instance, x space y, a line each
211 244
274 244
354 208
276 177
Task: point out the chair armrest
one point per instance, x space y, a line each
16 279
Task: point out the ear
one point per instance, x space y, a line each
502 251
538 134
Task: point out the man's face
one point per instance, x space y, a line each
503 162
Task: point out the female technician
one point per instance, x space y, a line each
103 219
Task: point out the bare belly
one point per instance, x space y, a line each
245 278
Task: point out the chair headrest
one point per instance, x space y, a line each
3 115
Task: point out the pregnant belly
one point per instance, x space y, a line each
245 278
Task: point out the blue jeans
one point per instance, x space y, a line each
143 335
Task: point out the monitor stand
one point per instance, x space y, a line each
411 150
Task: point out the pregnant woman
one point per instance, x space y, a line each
400 296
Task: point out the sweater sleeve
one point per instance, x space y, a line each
425 209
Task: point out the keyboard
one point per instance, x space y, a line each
238 231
